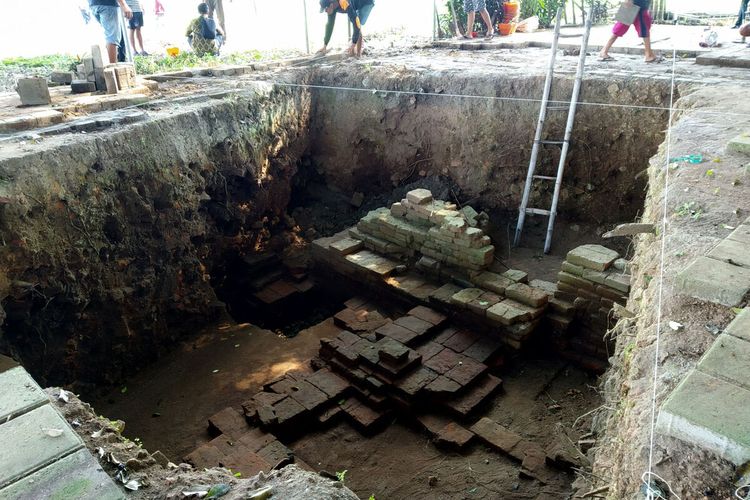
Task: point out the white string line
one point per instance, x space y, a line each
650 472
650 493
745 496
669 108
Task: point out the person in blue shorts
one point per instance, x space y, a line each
107 13
358 12
135 25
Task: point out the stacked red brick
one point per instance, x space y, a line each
593 279
433 228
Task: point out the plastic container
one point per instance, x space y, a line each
511 10
506 29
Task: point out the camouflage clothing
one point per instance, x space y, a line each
200 45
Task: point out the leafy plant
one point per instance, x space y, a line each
341 475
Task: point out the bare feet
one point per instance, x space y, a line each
322 51
351 51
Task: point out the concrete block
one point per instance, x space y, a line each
594 257
82 86
96 57
740 144
526 294
76 476
110 81
728 359
732 252
99 79
507 313
706 411
740 326
714 281
465 296
88 68
19 393
27 447
33 92
61 77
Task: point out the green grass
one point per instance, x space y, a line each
149 65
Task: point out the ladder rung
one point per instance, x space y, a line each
537 211
552 143
545 177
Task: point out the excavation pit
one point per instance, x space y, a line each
139 257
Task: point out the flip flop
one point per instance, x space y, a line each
607 59
490 36
656 60
467 37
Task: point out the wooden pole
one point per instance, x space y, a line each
455 18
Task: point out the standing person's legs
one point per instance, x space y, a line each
488 21
642 25
364 14
139 34
109 18
470 6
618 30
741 15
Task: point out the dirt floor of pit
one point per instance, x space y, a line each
167 406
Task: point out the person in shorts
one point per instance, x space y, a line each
135 25
358 12
642 24
472 7
107 13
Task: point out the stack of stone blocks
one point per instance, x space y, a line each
434 228
93 75
593 279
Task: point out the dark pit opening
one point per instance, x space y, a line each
245 251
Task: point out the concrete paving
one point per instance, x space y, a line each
78 476
711 407
41 455
711 413
731 56
31 442
20 394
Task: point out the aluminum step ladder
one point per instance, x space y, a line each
564 144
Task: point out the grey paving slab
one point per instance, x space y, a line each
78 476
733 56
26 447
741 234
733 252
714 281
19 393
711 413
728 359
740 326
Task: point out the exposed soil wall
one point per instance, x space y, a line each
371 141
109 239
718 200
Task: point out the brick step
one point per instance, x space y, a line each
444 431
364 418
474 397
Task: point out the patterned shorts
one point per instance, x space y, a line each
474 5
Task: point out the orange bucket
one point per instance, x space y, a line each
506 29
511 10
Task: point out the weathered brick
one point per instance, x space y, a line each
496 435
483 302
526 294
308 395
392 351
465 296
396 332
594 257
461 340
482 349
347 246
444 361
516 276
507 313
454 435
328 382
419 196
228 421
429 349
464 404
442 385
413 323
574 281
429 315
412 383
466 371
493 282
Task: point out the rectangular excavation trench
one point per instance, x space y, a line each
118 265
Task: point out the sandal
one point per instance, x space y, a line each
490 36
607 59
656 60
